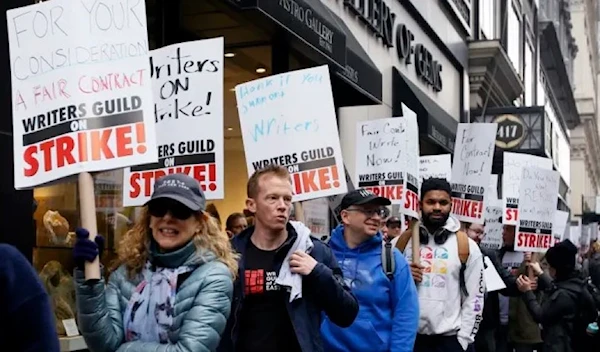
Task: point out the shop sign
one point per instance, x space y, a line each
380 20
511 131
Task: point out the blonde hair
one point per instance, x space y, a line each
135 245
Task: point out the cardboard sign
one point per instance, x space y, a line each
289 120
473 154
511 181
187 81
538 196
81 92
387 154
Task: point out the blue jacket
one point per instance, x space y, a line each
26 318
388 318
201 309
322 291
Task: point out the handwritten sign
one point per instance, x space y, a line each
511 181
387 154
289 120
473 155
493 225
436 166
559 225
187 82
538 196
81 93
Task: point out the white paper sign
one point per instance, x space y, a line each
70 327
493 225
559 225
436 166
493 188
387 154
538 196
511 181
493 281
81 93
473 155
289 120
187 81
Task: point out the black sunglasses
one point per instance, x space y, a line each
160 207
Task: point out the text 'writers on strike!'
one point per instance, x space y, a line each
32 28
312 170
196 158
78 133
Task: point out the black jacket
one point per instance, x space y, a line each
322 291
558 310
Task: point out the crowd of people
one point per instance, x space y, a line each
181 283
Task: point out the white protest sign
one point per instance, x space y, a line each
289 120
511 181
473 155
187 82
538 196
559 225
81 93
493 225
493 187
316 217
436 166
493 281
387 151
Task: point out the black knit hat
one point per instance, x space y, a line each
562 257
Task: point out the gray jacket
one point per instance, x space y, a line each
202 306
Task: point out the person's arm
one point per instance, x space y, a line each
332 294
30 320
405 305
472 305
99 311
552 311
204 323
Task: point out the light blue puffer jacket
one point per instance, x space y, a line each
202 306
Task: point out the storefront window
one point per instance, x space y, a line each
528 79
514 37
487 18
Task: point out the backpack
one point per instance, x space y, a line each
463 251
587 312
388 263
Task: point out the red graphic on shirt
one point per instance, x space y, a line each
254 281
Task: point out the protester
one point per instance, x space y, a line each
235 224
26 318
173 283
594 264
567 297
287 279
392 229
450 292
486 338
388 316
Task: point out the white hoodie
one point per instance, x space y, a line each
445 310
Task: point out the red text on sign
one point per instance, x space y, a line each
411 201
94 145
533 240
467 208
512 214
316 180
142 183
393 192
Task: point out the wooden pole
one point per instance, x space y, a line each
416 248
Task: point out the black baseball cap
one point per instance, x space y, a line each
181 188
362 196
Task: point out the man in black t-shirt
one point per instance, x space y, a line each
269 317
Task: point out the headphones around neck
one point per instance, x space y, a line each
439 237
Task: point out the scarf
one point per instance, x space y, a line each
150 311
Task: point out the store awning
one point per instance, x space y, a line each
434 122
315 25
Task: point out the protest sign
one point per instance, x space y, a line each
187 82
493 225
471 170
559 225
81 93
289 120
387 152
538 196
511 181
437 166
316 217
335 202
493 196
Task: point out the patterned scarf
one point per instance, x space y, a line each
150 311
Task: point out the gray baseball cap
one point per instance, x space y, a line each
181 188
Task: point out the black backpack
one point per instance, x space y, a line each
388 262
587 312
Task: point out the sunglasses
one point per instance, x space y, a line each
160 208
370 212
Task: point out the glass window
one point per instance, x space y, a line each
541 91
514 37
487 18
528 79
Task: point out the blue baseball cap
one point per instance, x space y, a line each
181 188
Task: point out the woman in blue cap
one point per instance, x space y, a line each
172 286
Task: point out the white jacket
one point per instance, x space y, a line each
445 310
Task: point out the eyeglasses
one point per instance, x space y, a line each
370 212
160 208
